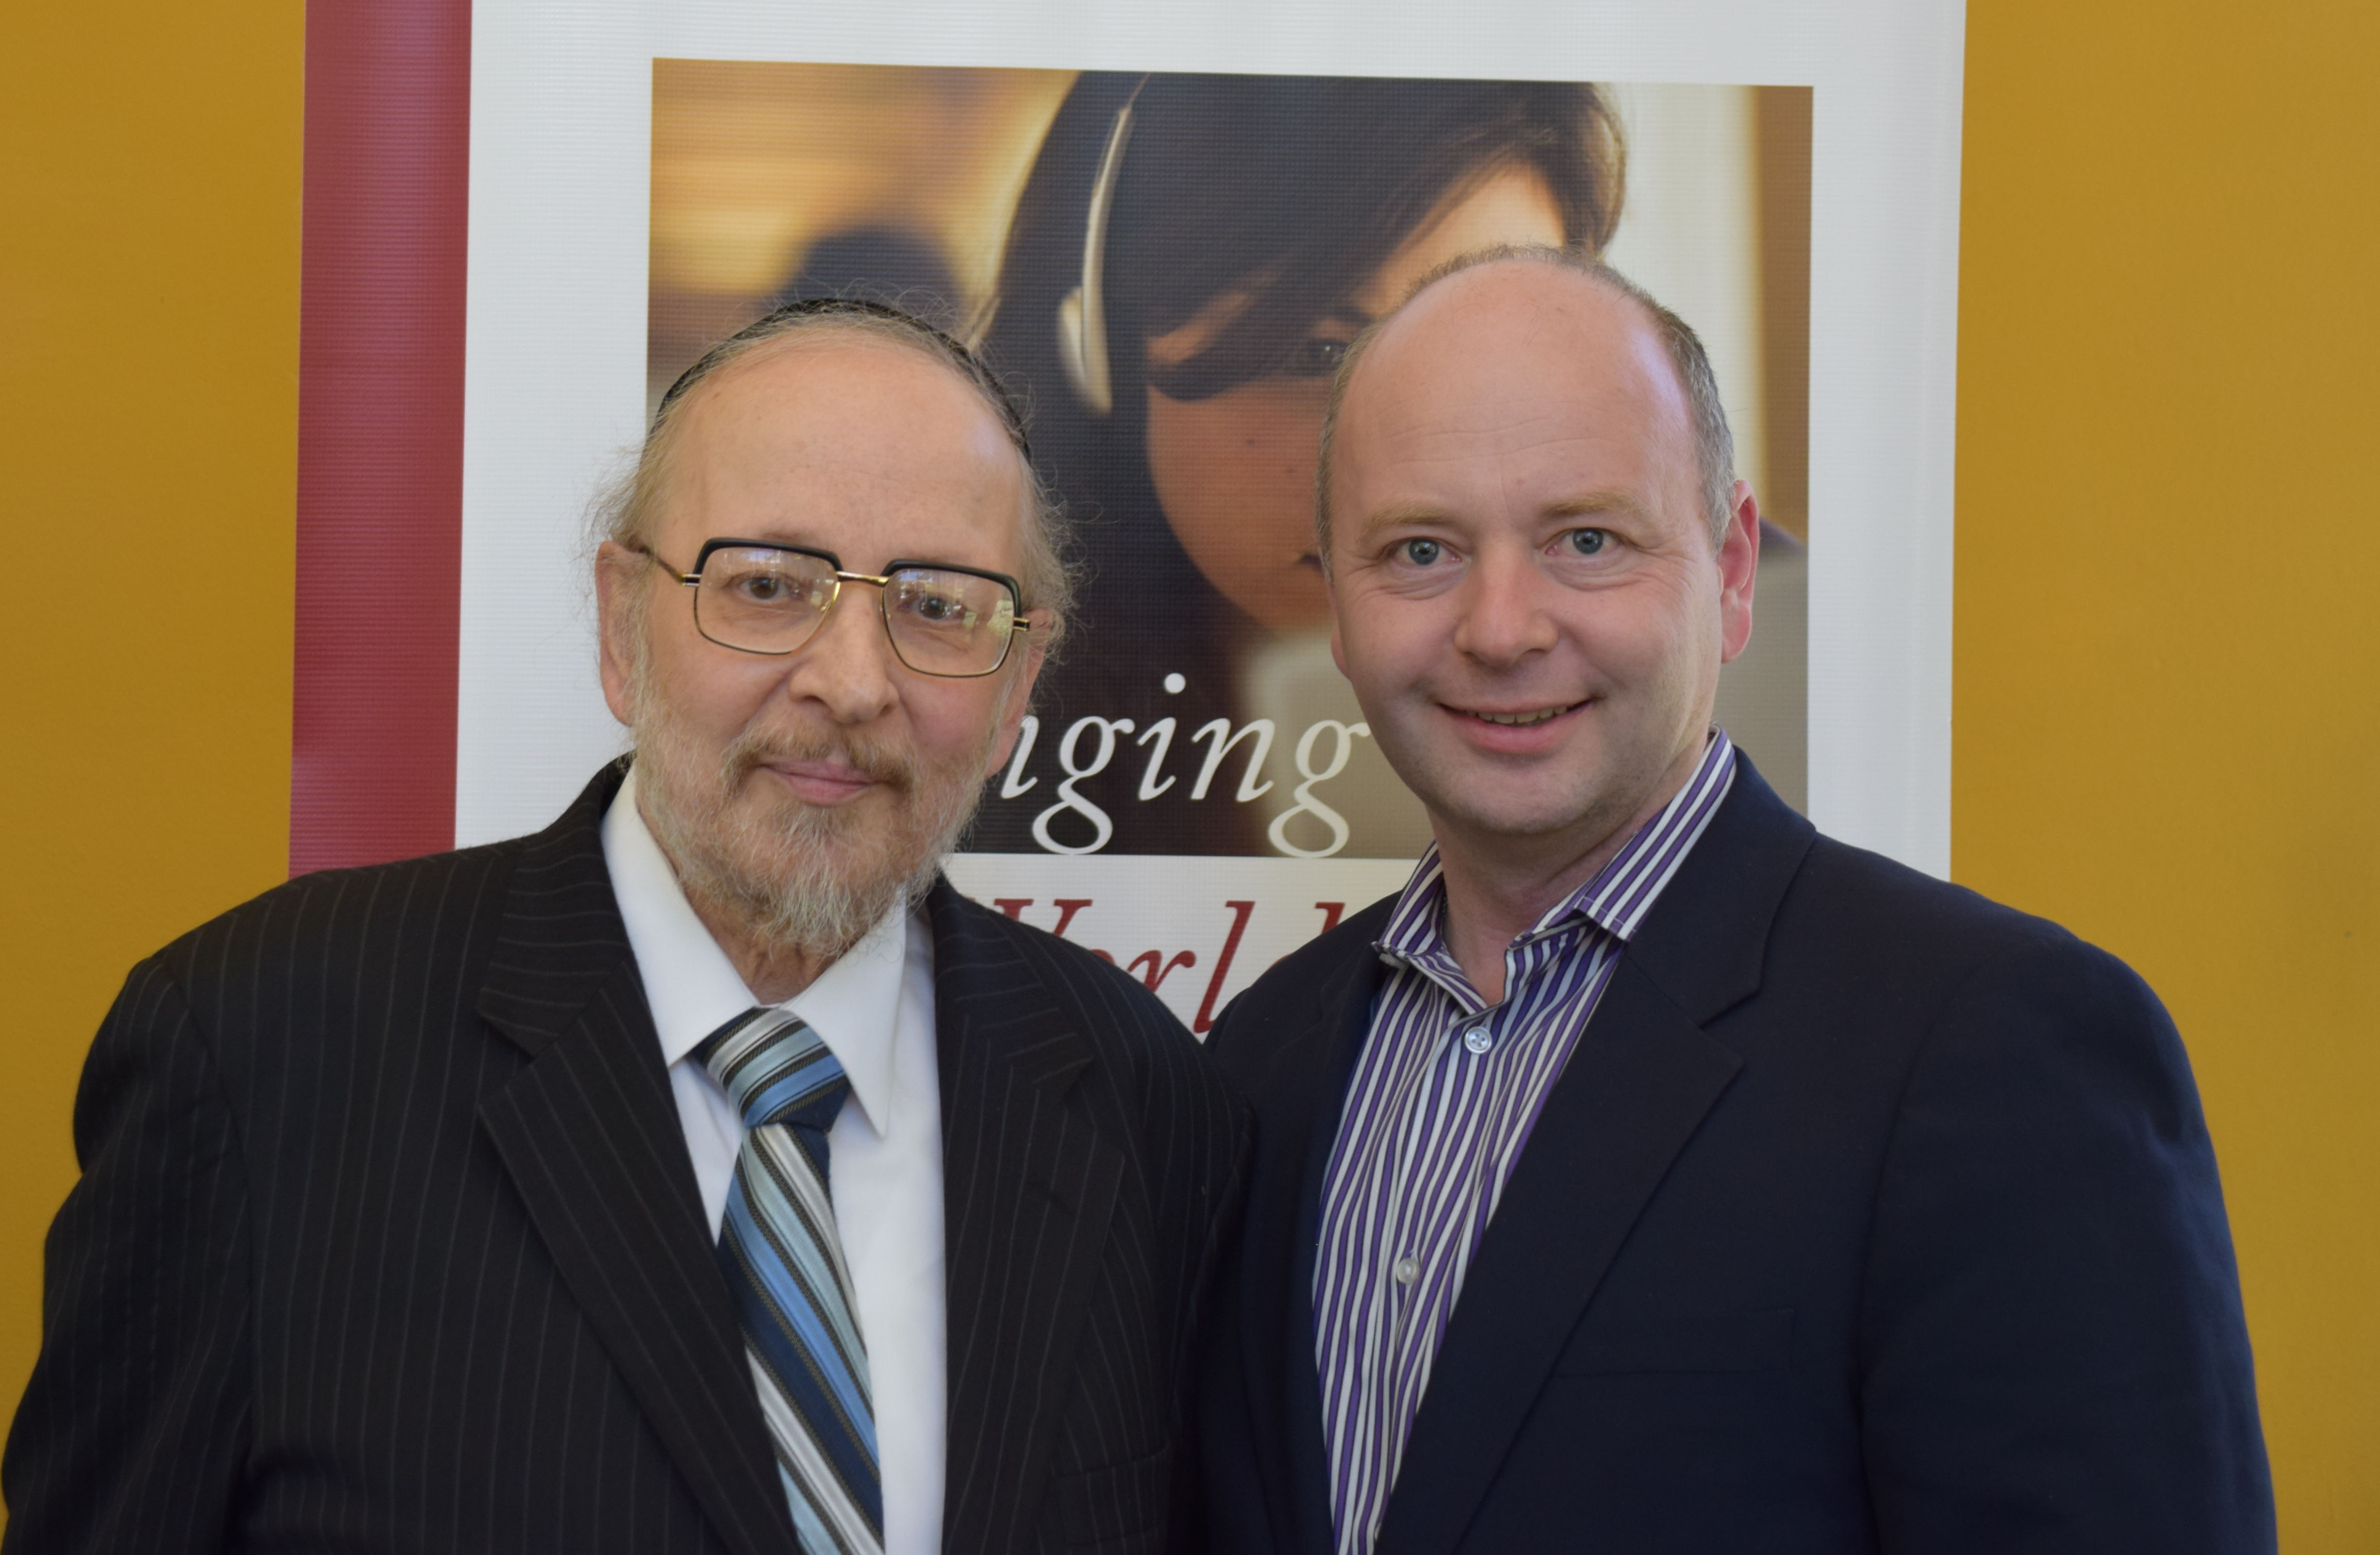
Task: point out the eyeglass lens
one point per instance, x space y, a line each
773 601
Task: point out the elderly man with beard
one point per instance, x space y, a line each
702 1173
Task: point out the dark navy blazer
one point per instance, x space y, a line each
1868 1216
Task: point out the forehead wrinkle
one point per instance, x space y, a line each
1513 456
738 444
1423 433
827 403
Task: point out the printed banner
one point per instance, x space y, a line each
1161 232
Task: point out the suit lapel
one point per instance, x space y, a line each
591 1140
1279 1290
1029 1189
1643 1077
1638 1085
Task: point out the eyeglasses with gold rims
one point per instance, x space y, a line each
943 619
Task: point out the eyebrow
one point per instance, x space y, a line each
1586 504
1402 513
1593 504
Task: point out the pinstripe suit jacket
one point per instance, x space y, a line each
387 1240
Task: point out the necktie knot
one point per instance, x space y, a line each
776 1069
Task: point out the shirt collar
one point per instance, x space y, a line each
693 989
1618 896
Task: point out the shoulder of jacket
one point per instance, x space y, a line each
1306 968
351 908
1074 974
1837 877
1921 931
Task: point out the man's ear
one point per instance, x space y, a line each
1017 699
1739 569
618 570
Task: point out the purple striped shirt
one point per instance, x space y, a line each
1437 1110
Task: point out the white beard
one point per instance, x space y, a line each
793 876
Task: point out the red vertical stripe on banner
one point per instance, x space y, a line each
379 429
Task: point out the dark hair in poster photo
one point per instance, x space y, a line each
1249 220
1164 268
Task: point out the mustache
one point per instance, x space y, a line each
881 763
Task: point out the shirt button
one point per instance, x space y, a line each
1478 1040
1407 1270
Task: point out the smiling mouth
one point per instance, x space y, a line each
1522 719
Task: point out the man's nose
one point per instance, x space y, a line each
847 667
1504 618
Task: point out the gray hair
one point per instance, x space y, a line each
627 512
1714 447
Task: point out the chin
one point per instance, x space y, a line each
820 895
1485 797
1524 819
798 846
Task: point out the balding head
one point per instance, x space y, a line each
1713 444
1528 590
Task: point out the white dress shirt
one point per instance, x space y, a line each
874 1009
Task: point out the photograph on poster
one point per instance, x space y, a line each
646 178
1164 268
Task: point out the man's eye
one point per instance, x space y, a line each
1420 552
1588 542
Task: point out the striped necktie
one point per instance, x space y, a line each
785 1272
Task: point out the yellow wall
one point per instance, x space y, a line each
2168 687
149 177
2167 705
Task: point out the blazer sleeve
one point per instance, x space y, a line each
2053 1354
133 1432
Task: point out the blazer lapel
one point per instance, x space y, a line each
1277 1290
1029 1189
1639 1084
591 1140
